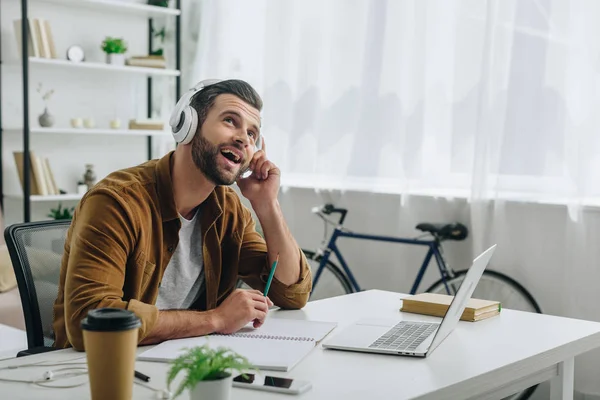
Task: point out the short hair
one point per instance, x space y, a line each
204 99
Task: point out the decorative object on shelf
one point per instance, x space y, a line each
115 123
46 120
76 122
61 213
208 372
115 49
89 122
159 3
81 187
75 53
89 178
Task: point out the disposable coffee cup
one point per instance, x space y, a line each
110 337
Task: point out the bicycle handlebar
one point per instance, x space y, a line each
328 209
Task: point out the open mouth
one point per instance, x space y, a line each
231 156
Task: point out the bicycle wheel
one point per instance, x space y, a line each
332 282
499 287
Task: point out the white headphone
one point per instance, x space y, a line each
184 118
50 376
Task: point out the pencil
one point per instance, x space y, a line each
271 274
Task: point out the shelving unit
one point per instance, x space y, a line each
48 62
85 131
27 63
37 198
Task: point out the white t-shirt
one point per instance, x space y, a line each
183 280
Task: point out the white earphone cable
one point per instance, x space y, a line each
51 376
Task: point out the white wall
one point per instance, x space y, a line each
78 93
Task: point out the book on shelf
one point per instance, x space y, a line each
149 61
41 177
146 124
40 42
437 304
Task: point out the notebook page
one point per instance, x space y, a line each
289 329
277 355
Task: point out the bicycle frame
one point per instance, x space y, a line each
434 251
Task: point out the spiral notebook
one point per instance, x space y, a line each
278 345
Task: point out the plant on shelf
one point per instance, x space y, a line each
46 119
159 3
115 49
208 372
160 34
61 213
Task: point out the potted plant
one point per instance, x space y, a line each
61 213
159 3
208 372
115 49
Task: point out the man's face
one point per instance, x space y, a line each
224 146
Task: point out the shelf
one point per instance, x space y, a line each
118 6
39 198
103 67
86 131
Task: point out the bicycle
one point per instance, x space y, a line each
331 280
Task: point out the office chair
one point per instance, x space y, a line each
36 250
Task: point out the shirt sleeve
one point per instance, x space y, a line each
101 242
254 269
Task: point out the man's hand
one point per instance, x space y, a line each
241 307
262 186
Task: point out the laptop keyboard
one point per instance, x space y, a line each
405 336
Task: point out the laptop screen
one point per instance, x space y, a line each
462 296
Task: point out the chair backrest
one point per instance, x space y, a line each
36 250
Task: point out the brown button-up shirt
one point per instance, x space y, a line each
121 239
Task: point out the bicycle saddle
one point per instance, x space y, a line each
453 231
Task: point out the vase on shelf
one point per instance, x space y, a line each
115 58
89 178
46 119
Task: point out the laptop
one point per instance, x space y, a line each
410 338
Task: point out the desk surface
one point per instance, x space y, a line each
12 340
475 359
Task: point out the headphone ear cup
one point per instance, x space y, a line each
186 128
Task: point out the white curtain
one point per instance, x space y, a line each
495 101
484 99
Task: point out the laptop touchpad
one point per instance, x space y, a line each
359 335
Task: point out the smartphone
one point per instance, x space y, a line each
257 147
271 383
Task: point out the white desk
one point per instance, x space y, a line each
12 340
488 359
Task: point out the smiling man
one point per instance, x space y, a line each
169 239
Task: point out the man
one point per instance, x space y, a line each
168 239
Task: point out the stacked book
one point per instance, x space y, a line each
40 42
147 61
147 124
41 177
437 305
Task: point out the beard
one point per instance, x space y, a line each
205 156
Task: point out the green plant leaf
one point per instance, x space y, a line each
203 363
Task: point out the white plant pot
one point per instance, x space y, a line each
219 389
115 59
